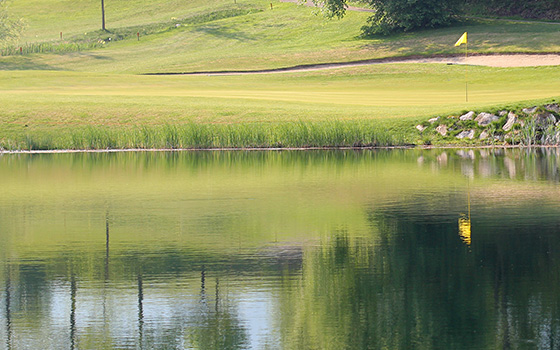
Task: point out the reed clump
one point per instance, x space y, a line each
208 136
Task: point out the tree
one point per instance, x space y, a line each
9 28
103 15
399 15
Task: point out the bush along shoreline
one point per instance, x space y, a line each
531 126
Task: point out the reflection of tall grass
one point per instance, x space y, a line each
300 134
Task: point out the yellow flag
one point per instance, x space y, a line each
462 39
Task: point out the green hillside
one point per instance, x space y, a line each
220 35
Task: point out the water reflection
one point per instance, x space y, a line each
524 164
8 315
287 250
465 222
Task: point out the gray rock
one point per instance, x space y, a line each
530 110
433 120
442 129
545 119
512 119
469 134
467 116
420 127
484 118
484 135
554 107
502 113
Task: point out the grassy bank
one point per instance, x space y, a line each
370 105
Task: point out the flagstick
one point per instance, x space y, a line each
466 68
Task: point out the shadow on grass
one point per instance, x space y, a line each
24 63
485 35
225 32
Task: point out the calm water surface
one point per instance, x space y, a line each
401 249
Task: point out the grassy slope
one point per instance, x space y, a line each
286 36
46 19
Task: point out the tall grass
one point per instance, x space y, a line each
206 136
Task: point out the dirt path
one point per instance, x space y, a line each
498 60
349 8
489 60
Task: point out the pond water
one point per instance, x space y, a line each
385 249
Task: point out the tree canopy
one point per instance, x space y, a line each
392 16
399 15
9 28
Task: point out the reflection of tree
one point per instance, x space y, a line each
215 328
73 290
417 286
8 309
140 312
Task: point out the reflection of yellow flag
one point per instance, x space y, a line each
465 230
462 39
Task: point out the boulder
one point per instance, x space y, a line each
512 119
433 120
467 116
545 119
442 129
502 113
484 135
484 118
529 110
469 134
420 127
553 107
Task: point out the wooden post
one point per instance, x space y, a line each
60 35
138 35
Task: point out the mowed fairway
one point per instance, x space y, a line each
373 92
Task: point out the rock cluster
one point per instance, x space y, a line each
541 123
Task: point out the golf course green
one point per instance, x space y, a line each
89 89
